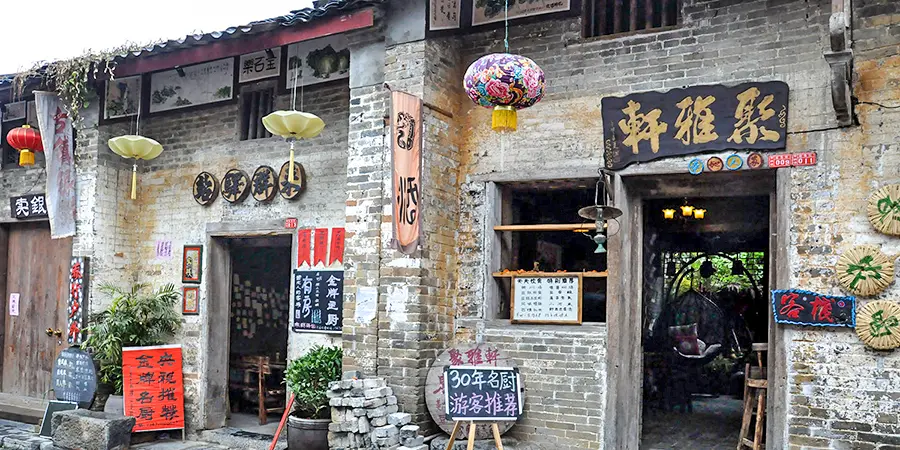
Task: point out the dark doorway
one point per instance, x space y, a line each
260 302
705 279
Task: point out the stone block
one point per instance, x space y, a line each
414 442
399 419
90 430
386 431
378 392
374 402
415 447
379 421
363 425
408 431
387 441
373 383
352 375
356 384
391 399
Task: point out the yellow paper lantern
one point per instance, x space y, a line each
135 147
293 125
668 213
699 213
687 210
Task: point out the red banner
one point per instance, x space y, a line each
153 387
406 154
303 246
321 248
337 246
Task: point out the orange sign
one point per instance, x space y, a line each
153 387
406 151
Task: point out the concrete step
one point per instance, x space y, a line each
22 409
235 438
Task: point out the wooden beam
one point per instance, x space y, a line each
633 15
225 48
548 227
617 16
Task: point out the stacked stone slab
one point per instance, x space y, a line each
364 416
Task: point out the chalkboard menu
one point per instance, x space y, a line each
74 377
319 300
546 298
482 393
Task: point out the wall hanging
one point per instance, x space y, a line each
884 209
291 189
878 324
27 141
206 188
192 264
264 184
235 186
864 270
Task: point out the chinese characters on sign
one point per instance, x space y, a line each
318 300
652 125
154 387
259 65
163 249
14 304
792 159
554 299
406 150
799 307
443 14
74 377
31 206
78 275
480 393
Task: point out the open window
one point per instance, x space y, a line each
540 233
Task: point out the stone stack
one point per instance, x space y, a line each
364 416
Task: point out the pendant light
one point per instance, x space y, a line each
292 125
135 146
600 212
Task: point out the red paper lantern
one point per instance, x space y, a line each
27 141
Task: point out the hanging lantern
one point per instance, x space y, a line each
293 125
26 140
668 213
687 210
506 83
737 267
135 147
707 269
699 213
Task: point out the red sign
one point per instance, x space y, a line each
792 159
303 246
290 223
337 246
321 246
153 387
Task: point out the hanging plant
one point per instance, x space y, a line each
864 270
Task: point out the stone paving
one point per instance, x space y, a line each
21 436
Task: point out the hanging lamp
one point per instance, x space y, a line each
600 212
135 147
737 267
293 125
707 269
506 83
27 141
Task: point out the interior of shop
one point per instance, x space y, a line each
260 303
705 269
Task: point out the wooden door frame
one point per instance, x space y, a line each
4 276
623 414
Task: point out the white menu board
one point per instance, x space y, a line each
550 298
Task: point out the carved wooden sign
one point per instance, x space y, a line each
290 190
652 125
206 188
235 186
264 184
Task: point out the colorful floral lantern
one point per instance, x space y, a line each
26 140
506 83
135 147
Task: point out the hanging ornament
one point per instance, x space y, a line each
878 324
884 209
135 147
865 270
292 125
27 141
506 83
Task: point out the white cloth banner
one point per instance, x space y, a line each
56 135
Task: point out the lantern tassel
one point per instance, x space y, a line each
26 157
504 119
291 165
134 181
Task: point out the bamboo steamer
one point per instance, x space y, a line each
878 325
884 209
865 270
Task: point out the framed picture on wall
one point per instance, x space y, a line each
190 296
192 264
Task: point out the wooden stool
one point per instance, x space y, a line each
755 387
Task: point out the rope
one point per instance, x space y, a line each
506 26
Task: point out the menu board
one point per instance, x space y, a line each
74 377
154 387
319 300
546 298
481 393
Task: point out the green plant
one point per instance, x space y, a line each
136 317
308 377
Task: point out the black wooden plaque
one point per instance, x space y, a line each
32 206
319 300
798 307
652 125
482 393
74 377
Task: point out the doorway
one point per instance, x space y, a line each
258 333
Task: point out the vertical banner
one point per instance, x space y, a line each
78 274
153 387
56 134
321 246
303 246
406 156
336 254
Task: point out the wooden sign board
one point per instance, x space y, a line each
154 387
797 307
32 206
546 298
477 393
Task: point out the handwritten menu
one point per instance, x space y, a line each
319 300
480 393
546 299
154 387
74 377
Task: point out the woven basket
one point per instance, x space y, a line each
878 325
864 270
884 209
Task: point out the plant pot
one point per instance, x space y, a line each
115 404
307 434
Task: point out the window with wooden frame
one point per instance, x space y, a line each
538 232
610 17
256 102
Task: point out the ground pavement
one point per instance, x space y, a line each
21 436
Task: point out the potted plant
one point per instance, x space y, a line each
136 317
307 378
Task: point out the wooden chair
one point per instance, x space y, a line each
269 400
756 385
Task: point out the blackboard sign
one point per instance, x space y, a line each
481 393
53 407
652 125
74 377
32 206
799 307
546 298
319 300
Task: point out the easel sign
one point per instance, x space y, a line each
481 394
549 298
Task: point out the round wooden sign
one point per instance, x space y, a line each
487 355
695 166
878 325
206 188
264 184
288 190
734 162
754 160
884 209
864 270
714 164
235 186
74 377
